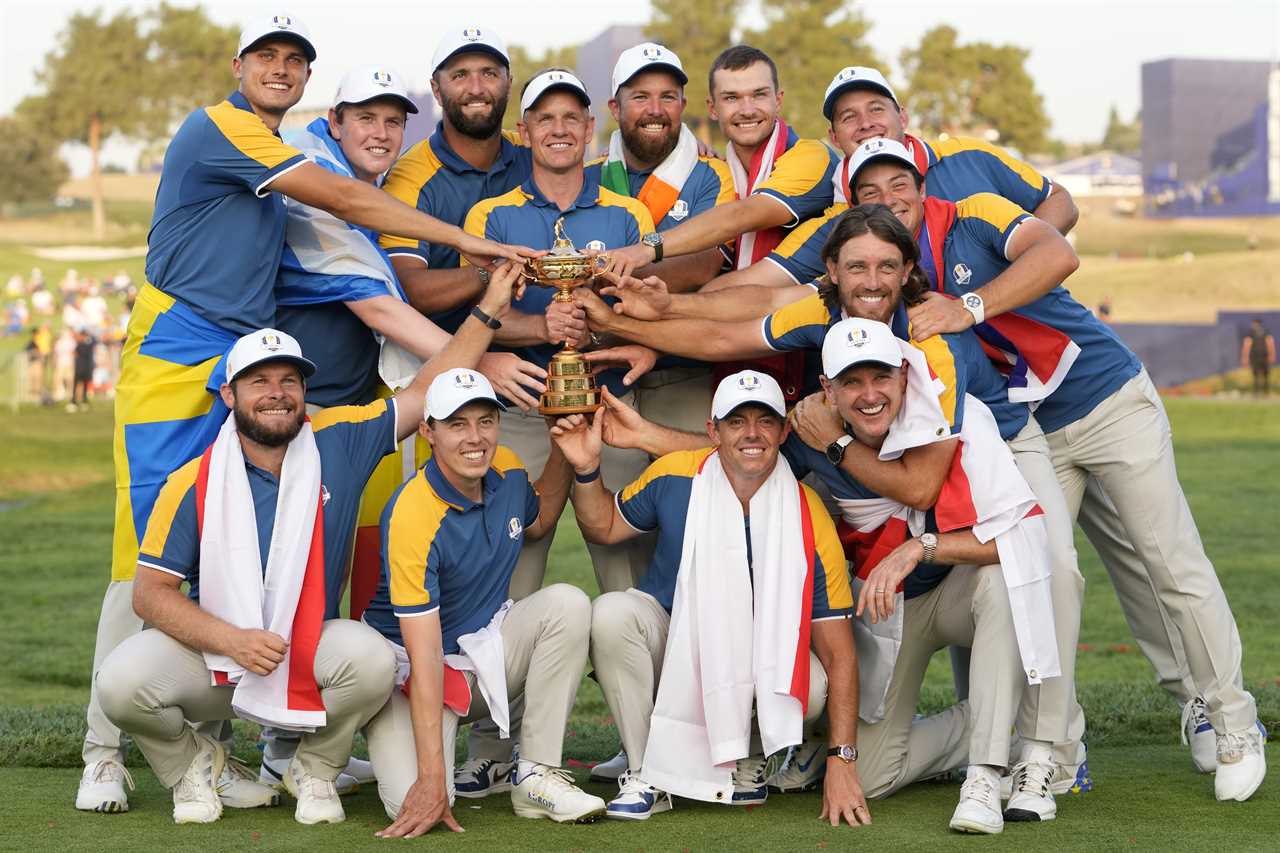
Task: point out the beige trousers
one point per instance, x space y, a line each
116 623
969 608
544 639
152 686
1126 444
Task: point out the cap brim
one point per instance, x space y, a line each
857 362
468 402
829 105
561 87
473 48
764 404
305 365
664 66
409 105
870 161
286 35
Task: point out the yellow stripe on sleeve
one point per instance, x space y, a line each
943 364
721 168
249 135
644 219
415 520
809 311
827 543
347 415
505 459
682 463
405 182
166 507
805 230
958 144
991 208
799 169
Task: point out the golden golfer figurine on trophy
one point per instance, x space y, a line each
571 389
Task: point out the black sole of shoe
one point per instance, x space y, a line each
1021 816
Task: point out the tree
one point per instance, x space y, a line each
30 168
697 30
978 89
1121 136
810 40
186 46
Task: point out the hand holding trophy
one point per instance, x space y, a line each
571 389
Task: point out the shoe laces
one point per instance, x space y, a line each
749 772
1193 717
111 771
978 788
555 779
1233 746
631 783
1033 777
234 770
474 767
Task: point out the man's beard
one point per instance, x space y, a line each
647 149
476 127
259 433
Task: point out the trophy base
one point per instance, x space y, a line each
571 409
571 389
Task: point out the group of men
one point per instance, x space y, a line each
850 418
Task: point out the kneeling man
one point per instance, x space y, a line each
747 576
452 535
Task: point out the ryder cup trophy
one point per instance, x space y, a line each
571 389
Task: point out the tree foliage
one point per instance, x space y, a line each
810 40
1124 137
697 30
188 64
30 169
973 89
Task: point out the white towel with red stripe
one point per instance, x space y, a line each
747 178
287 599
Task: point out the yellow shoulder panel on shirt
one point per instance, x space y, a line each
721 168
958 144
505 459
644 219
599 161
415 520
827 543
166 507
810 311
682 463
478 216
989 207
805 230
513 136
405 182
347 415
943 364
249 135
800 168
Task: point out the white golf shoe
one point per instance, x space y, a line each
102 788
195 800
637 799
542 791
1032 796
611 770
317 798
979 807
479 777
1198 734
1242 765
271 773
805 770
239 788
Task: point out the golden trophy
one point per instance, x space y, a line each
571 389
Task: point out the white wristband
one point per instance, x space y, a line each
973 303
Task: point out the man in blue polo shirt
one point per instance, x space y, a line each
1100 412
452 535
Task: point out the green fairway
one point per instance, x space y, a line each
55 523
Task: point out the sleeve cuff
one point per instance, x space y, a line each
161 566
828 615
289 165
407 252
781 264
782 200
415 610
617 502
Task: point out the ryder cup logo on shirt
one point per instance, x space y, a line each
324 495
271 342
382 78
679 210
514 528
471 34
962 274
284 22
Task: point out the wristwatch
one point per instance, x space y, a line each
973 303
930 543
835 450
654 241
485 275
847 753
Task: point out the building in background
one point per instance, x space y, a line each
1103 173
1211 137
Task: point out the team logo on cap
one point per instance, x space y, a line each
382 78
847 73
857 337
272 342
679 210
471 34
873 146
464 380
749 382
514 528
652 52
555 76
284 22
962 273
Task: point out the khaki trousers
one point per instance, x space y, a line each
1126 444
544 639
969 608
152 685
116 623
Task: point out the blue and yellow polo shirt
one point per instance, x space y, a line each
709 184
958 360
659 500
801 178
974 253
442 551
351 440
957 168
433 178
526 217
217 231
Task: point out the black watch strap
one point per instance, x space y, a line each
844 752
491 322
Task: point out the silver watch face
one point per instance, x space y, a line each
653 238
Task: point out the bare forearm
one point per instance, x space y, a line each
167 608
745 302
462 350
1059 210
397 320
659 440
1042 267
432 291
962 547
426 710
708 340
914 479
723 223
522 330
840 661
686 272
553 492
594 507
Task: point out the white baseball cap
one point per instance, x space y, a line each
549 80
855 77
633 60
464 39
878 149
857 341
266 345
454 388
372 81
747 386
286 26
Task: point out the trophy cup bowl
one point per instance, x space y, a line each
571 389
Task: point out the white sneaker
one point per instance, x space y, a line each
1067 778
317 798
102 787
749 775
239 788
1198 733
1032 799
637 799
1241 764
611 770
272 770
805 770
979 807
480 777
542 791
194 798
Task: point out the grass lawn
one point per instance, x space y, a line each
55 523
